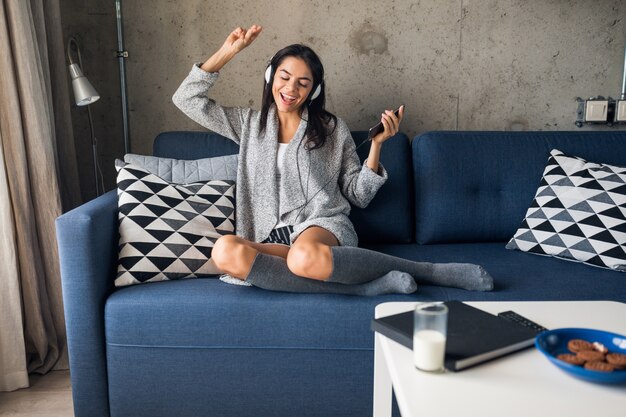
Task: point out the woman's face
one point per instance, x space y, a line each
293 82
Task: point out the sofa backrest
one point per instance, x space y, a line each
477 186
192 145
388 218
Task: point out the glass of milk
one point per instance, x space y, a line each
430 326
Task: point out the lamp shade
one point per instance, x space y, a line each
84 93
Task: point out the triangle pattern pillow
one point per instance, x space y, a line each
578 213
167 231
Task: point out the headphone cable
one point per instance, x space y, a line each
306 198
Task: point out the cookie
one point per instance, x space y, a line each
570 358
599 366
618 360
590 355
600 347
579 345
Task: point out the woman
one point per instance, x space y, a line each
298 173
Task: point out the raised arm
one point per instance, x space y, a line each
191 97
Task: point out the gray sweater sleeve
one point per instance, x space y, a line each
359 184
191 97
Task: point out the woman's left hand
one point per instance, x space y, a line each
391 124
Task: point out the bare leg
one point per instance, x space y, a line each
275 249
310 255
234 256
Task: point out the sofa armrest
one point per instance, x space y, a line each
88 240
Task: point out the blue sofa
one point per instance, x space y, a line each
201 347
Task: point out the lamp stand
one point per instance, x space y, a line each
94 150
122 54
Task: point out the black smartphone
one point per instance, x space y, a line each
380 127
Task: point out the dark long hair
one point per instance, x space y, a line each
321 123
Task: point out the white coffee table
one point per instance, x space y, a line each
521 384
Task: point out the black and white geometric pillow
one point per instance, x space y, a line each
579 213
167 231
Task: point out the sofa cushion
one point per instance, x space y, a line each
579 213
518 276
476 186
181 171
167 231
207 313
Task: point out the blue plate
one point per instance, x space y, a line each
554 342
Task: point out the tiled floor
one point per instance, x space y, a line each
48 396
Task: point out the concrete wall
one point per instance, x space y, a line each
463 64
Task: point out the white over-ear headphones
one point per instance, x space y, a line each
316 93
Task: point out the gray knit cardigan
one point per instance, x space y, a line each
316 186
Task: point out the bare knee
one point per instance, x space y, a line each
310 260
224 250
233 256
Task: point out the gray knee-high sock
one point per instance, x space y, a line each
271 273
352 265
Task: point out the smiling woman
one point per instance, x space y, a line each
320 177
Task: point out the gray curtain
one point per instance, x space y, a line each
38 179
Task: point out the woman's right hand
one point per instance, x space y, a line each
235 42
240 38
